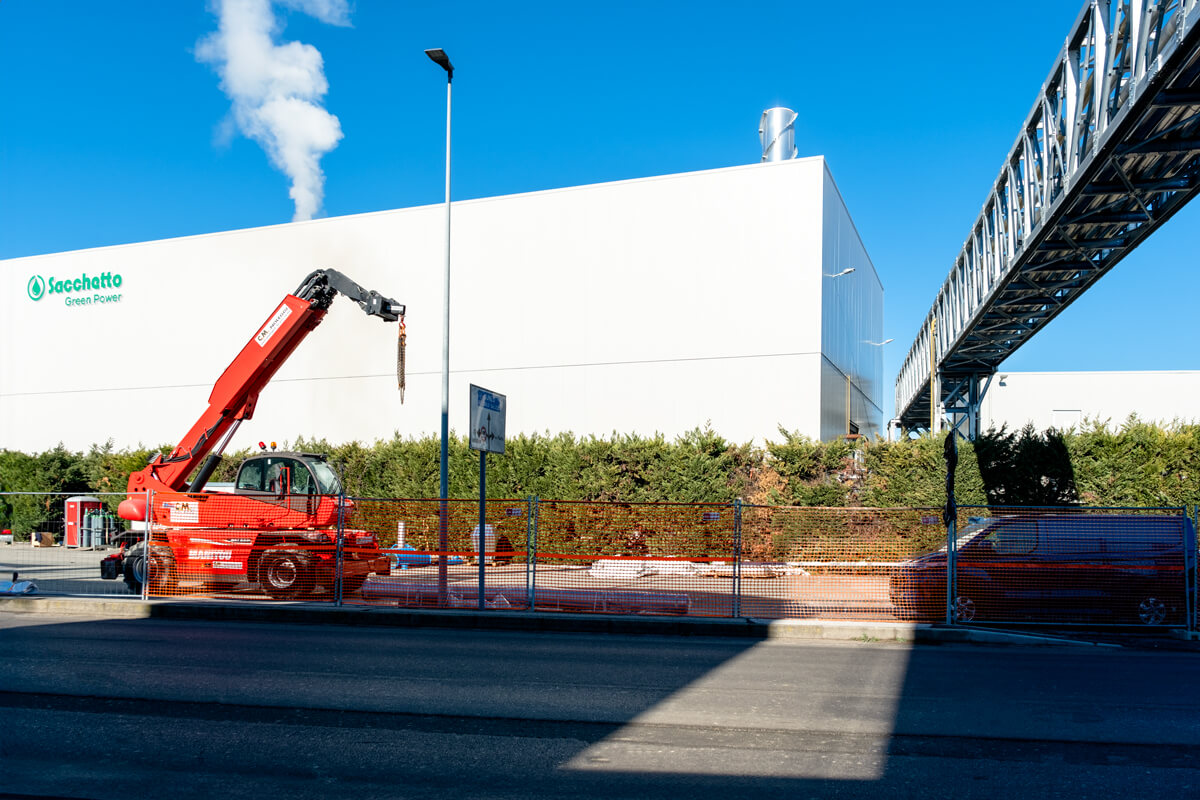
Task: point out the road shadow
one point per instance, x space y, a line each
312 710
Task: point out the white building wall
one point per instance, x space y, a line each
1066 400
653 305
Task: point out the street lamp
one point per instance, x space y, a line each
846 271
878 344
439 57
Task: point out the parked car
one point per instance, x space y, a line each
1072 567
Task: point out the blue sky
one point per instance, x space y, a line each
111 128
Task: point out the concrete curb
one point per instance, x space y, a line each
374 616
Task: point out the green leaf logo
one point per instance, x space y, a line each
36 288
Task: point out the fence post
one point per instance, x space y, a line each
951 570
340 551
531 532
146 544
737 557
1192 575
950 518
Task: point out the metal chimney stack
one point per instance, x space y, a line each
777 134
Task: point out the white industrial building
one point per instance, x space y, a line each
741 298
1074 400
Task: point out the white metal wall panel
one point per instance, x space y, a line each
653 305
1058 399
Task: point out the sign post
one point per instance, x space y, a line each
487 436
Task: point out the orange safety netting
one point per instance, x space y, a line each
286 547
722 560
424 572
831 563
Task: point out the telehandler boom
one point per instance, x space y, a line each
278 528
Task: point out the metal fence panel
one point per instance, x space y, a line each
640 558
259 546
57 541
1011 565
408 532
842 563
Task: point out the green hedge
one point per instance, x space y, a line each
1138 465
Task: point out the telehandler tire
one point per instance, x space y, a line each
284 573
162 569
135 569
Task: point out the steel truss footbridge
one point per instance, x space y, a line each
1109 152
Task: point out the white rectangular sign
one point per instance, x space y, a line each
183 510
487 420
277 319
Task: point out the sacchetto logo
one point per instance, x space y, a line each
38 287
102 290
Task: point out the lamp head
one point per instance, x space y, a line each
439 57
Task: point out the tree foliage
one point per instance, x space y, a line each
1026 468
1139 465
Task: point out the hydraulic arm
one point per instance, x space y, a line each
236 392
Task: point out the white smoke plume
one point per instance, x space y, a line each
277 89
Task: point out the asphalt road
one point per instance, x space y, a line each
158 708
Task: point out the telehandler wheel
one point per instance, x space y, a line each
284 574
135 569
162 570
162 577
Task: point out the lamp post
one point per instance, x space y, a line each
439 57
933 395
846 271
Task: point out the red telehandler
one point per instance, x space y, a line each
279 527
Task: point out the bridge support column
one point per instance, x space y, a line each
962 397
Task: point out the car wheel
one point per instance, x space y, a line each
964 609
284 573
1152 611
